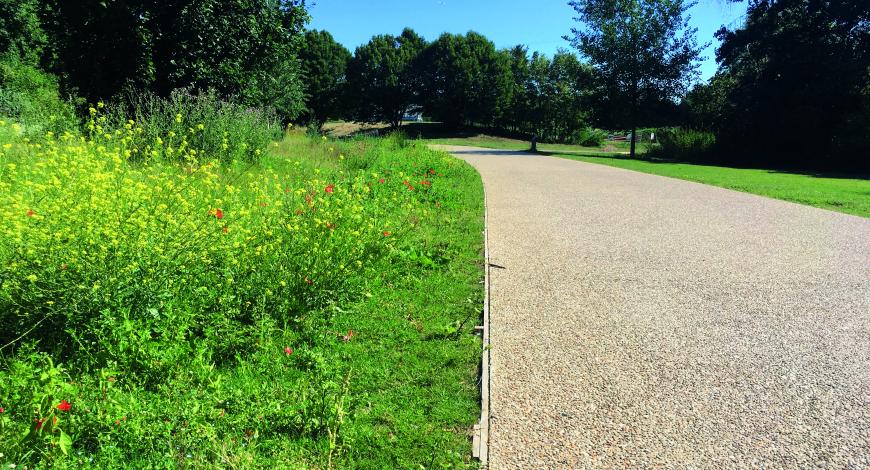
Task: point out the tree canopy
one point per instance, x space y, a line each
640 48
384 75
324 65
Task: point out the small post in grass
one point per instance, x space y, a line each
534 148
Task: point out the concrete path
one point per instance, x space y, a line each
648 322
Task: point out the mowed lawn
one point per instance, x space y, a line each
842 193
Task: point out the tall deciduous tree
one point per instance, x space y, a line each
324 65
241 48
467 80
385 79
641 48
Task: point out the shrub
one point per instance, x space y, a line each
588 137
683 144
169 128
30 97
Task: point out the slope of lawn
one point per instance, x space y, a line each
843 194
313 307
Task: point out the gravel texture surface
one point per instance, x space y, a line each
648 322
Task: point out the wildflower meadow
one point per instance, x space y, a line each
178 295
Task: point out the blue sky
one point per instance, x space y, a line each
539 24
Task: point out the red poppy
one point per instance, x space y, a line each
387 234
30 213
2 409
410 188
219 214
288 350
381 181
64 405
330 189
426 183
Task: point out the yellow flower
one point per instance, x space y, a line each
178 118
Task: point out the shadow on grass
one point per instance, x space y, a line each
711 163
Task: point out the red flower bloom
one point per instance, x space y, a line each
64 406
431 171
30 213
219 214
426 183
410 188
39 424
2 410
387 234
348 336
330 189
288 350
381 181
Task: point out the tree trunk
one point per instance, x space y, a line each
633 121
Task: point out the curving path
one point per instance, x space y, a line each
648 322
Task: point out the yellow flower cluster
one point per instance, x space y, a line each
82 219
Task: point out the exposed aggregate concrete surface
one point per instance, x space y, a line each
648 322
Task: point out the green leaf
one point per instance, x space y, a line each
65 443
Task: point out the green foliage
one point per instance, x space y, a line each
640 48
384 77
21 33
588 137
324 62
467 81
798 73
226 314
684 144
241 48
30 97
199 121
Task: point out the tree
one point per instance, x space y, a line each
21 32
467 81
324 65
801 91
244 49
641 48
384 77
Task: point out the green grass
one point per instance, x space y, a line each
493 142
157 299
841 193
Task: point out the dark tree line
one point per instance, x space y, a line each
793 87
458 80
243 49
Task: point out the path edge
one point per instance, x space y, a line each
480 440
